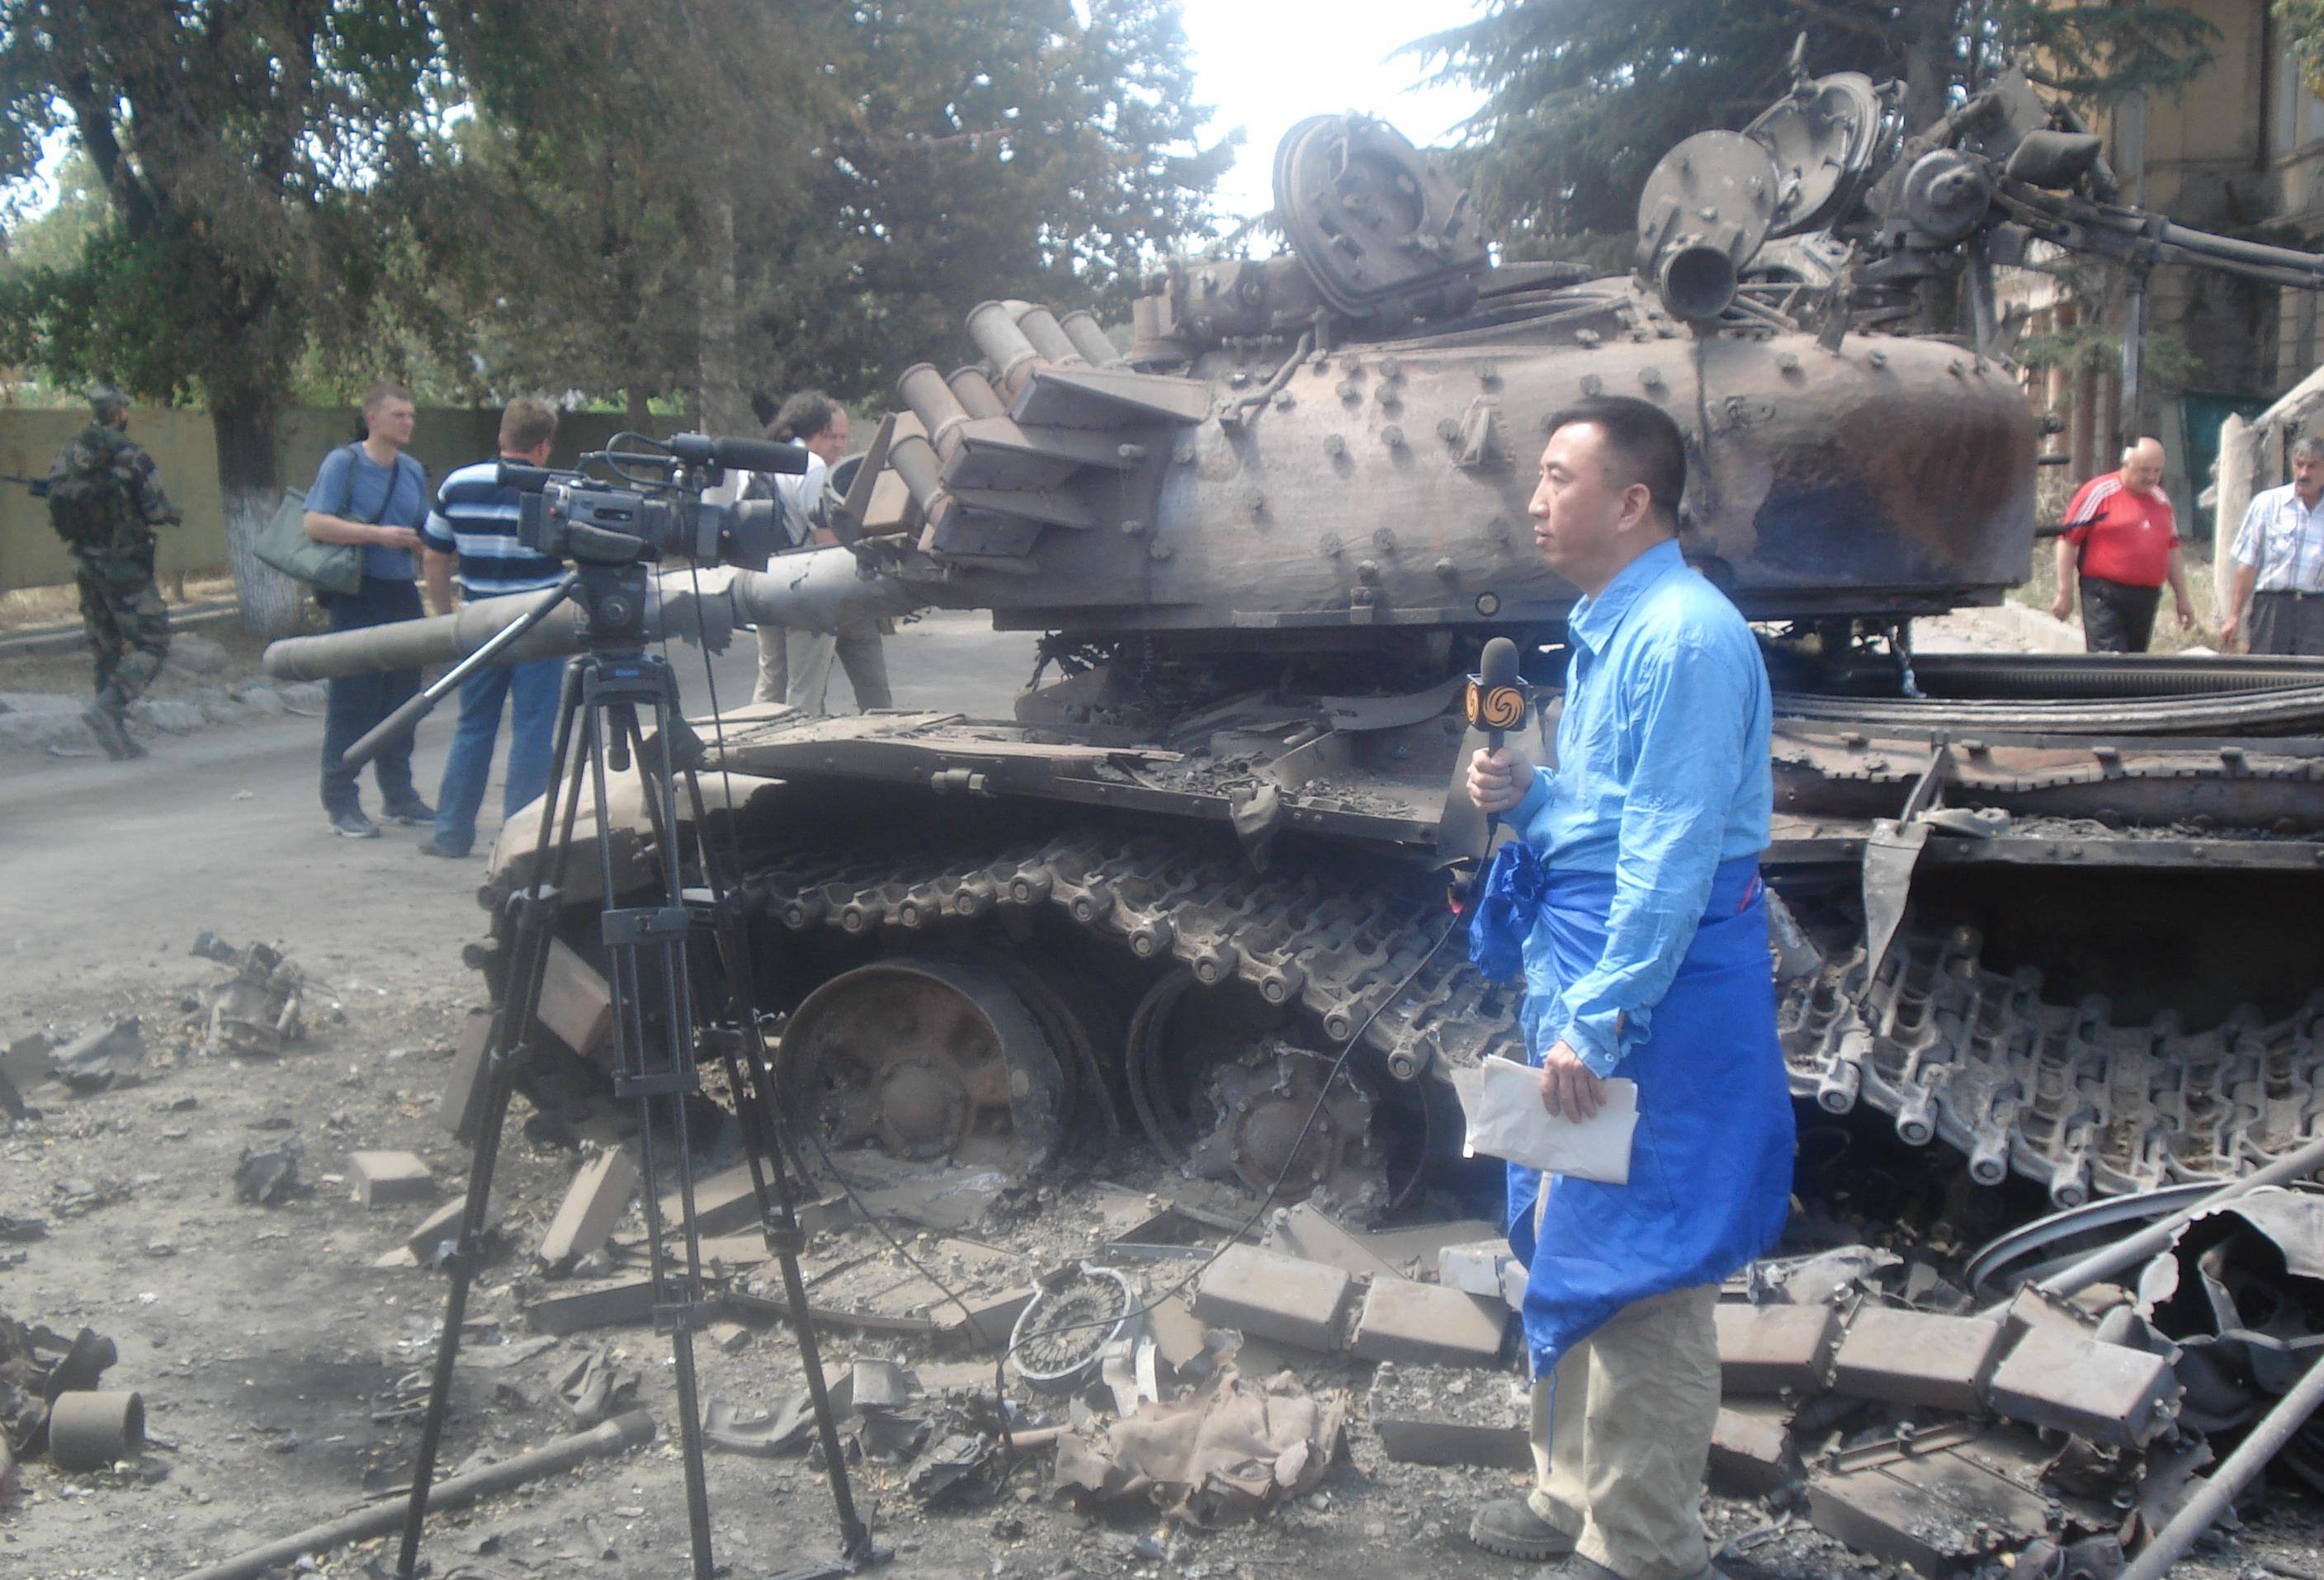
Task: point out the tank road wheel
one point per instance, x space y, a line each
1219 1089
925 1059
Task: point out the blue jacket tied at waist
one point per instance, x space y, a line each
1711 1162
1633 904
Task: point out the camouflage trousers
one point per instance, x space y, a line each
128 627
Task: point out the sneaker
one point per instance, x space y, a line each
354 825
110 731
412 813
1509 1526
430 847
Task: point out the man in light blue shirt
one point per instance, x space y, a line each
1645 947
2279 555
373 495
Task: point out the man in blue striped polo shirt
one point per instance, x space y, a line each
472 534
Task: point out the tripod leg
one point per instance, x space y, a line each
519 1011
749 1076
670 1076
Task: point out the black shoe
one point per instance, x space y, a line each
430 846
354 825
110 731
1509 1526
412 813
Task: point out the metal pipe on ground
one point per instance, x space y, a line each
2159 1236
2251 1456
617 1435
73 637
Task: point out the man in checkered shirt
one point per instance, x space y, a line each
2279 559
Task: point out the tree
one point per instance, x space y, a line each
612 162
1584 97
53 238
879 169
991 149
716 198
2303 35
241 149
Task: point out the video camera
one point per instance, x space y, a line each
634 516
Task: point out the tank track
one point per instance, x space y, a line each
1958 1052
1951 1051
1329 945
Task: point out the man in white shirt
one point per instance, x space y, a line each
2279 559
794 664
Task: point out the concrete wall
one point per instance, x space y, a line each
185 450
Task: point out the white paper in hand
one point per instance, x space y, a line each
1507 1120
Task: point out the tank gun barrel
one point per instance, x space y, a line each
817 590
2141 237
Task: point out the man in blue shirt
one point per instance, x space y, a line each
1645 957
471 533
371 494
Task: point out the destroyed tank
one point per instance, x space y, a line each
2052 913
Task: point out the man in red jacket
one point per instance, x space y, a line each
2122 537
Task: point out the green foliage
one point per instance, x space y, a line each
284 197
999 149
1583 97
884 167
2303 34
52 239
2083 348
236 148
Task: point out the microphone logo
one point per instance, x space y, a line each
1495 707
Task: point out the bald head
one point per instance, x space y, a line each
2141 465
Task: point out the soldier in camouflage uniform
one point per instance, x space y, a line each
105 502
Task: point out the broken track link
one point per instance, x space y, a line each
1326 943
1973 1057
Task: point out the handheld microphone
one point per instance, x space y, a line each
738 454
1496 700
1496 704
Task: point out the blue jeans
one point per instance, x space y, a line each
354 702
532 686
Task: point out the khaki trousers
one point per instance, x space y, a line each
795 667
1621 1436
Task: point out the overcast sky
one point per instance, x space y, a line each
1265 65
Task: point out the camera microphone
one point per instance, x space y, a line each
738 455
527 479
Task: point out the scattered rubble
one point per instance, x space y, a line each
102 1057
258 1010
1886 1403
269 1176
50 1403
1217 1455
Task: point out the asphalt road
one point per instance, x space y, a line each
109 871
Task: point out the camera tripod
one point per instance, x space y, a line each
610 695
